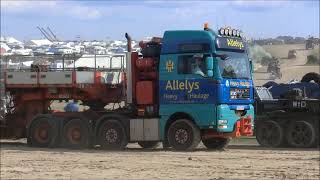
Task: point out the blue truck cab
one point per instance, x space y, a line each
205 88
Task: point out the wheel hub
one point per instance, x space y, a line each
300 135
111 135
41 133
181 136
270 134
76 135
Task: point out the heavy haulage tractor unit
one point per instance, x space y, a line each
187 87
292 54
311 42
274 68
288 114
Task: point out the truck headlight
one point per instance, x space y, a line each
221 31
226 32
234 32
222 124
238 33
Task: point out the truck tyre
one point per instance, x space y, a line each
112 135
42 132
269 134
183 135
216 143
75 134
301 134
311 76
148 144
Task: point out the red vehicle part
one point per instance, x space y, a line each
144 77
145 92
242 128
145 63
33 92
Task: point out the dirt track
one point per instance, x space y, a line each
237 162
290 68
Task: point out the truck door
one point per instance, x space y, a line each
198 97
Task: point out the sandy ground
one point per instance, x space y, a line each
290 68
239 161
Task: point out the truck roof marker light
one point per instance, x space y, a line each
205 26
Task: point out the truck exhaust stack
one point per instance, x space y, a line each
129 47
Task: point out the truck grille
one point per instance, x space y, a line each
236 93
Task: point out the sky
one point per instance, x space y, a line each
105 20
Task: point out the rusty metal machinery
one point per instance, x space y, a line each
31 91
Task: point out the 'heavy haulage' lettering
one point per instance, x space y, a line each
182 85
235 43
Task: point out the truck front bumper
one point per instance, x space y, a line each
227 117
243 127
228 124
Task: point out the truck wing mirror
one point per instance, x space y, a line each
251 65
209 65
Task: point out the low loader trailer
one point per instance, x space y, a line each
288 115
187 87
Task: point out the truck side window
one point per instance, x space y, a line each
188 64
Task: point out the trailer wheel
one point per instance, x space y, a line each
311 76
183 135
112 135
216 143
301 134
148 144
76 134
269 134
42 133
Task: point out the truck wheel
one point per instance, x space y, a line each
301 134
76 134
183 135
216 143
148 144
112 135
42 133
269 134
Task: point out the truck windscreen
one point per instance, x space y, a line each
235 67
